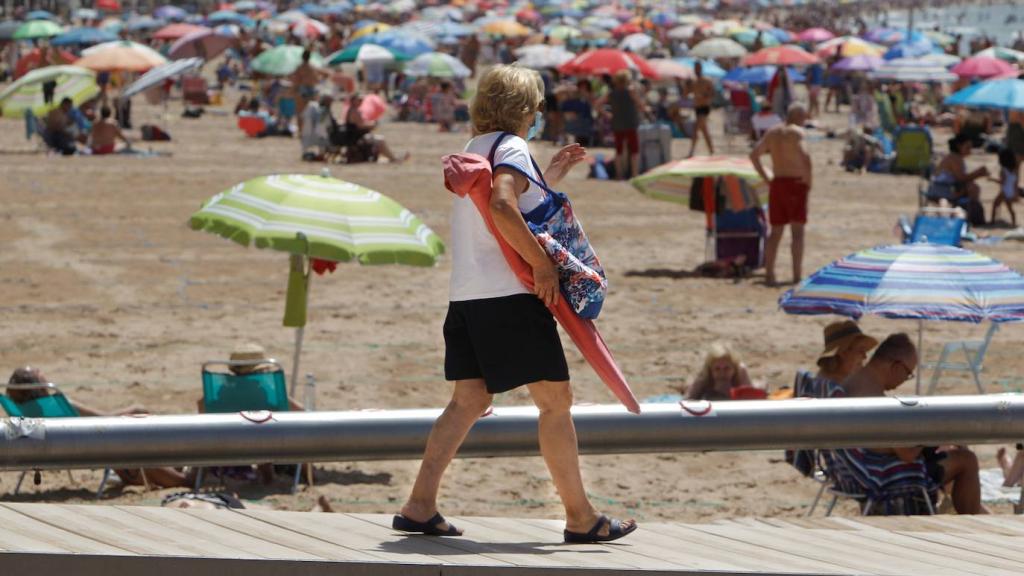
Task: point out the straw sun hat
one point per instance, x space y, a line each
840 335
249 352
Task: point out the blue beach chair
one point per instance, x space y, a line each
53 404
226 392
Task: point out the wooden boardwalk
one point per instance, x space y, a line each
103 540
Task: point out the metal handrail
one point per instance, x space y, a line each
224 439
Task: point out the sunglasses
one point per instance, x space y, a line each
906 368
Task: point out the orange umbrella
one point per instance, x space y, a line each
30 61
780 56
120 56
175 31
505 28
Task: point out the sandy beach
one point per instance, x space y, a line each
108 291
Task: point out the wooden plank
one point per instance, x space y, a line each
972 524
803 543
21 533
765 557
909 549
121 529
243 524
585 555
657 541
522 554
341 530
200 529
980 543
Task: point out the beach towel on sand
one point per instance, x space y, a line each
471 174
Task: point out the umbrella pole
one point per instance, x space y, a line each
300 333
920 355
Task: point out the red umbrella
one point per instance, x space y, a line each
30 61
982 67
372 108
815 35
780 56
623 30
108 5
606 61
175 31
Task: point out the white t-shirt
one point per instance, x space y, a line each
479 269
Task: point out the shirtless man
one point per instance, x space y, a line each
788 188
105 134
703 92
304 81
892 364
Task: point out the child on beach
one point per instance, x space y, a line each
1009 189
498 335
722 372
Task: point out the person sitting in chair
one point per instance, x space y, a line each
28 383
57 128
360 129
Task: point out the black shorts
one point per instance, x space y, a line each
933 464
702 110
507 341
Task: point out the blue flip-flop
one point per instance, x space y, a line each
428 528
615 531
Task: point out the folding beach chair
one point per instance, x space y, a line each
53 405
226 392
935 225
974 359
846 479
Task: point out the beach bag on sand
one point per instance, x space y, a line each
152 133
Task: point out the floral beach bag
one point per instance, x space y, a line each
581 278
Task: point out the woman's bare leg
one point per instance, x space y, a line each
469 400
559 447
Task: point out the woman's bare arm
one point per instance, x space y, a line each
508 185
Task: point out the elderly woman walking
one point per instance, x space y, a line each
498 335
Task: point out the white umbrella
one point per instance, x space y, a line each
683 32
638 42
912 70
944 60
157 75
541 56
719 48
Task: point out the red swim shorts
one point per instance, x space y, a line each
628 138
787 201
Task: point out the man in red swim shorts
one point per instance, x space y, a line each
788 188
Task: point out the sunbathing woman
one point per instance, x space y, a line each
722 371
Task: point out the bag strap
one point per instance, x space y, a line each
542 184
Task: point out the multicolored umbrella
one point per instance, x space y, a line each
666 68
437 65
372 28
411 44
34 29
847 46
718 48
283 60
672 181
1002 53
780 56
912 281
606 61
26 93
120 56
982 67
175 31
1005 94
310 29
317 217
912 70
365 53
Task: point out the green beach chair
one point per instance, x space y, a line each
226 392
52 405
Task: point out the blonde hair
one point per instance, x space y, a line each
622 79
704 382
506 96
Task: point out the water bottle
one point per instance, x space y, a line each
310 400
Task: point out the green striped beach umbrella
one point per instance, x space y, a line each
317 217
37 29
26 93
283 60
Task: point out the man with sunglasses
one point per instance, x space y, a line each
893 364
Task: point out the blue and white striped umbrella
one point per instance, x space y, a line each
912 281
